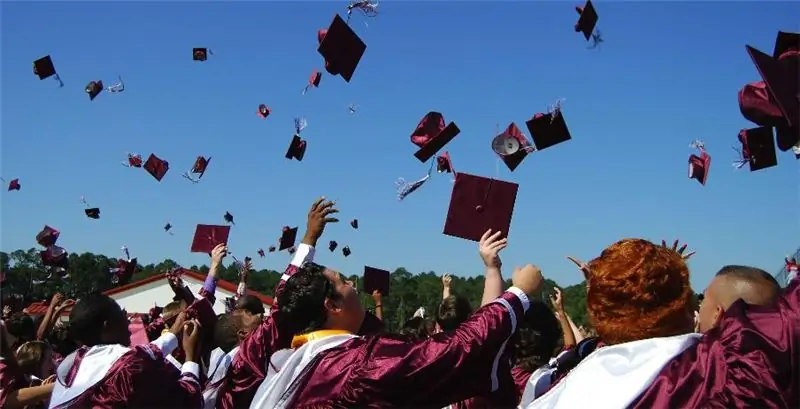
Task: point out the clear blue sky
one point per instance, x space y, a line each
667 73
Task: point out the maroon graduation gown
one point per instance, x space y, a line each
385 372
11 379
751 360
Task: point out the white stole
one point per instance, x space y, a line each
285 367
93 368
219 362
612 377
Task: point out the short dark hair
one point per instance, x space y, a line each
453 310
302 302
765 286
538 336
226 332
88 316
30 356
250 303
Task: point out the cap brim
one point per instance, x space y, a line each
438 142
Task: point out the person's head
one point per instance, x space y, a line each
21 328
60 340
36 358
171 311
453 310
227 332
538 337
752 285
319 298
249 310
638 290
418 328
98 319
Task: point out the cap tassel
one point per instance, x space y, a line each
366 7
555 109
118 87
405 188
299 125
352 108
743 159
60 83
597 38
127 253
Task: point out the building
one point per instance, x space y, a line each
140 296
782 275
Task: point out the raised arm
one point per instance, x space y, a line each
210 286
557 299
488 248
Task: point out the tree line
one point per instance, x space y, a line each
88 272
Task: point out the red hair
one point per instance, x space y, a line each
638 290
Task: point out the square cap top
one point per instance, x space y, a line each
54 256
288 237
47 237
785 42
587 21
44 68
208 236
758 144
297 149
200 165
376 279
156 167
93 213
548 130
782 83
431 135
341 48
478 204
199 54
699 166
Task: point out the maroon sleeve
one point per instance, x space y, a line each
9 381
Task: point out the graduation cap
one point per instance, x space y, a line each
228 218
44 69
758 148
781 81
478 204
444 164
332 245
587 20
200 54
313 81
124 271
167 228
512 146
55 256
341 48
207 236
94 88
263 111
156 167
354 223
271 249
199 169
376 279
699 165
134 161
261 252
346 251
48 236
288 237
431 135
297 149
14 185
292 250
93 212
548 129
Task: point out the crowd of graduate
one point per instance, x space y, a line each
318 347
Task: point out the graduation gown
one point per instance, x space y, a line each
11 379
113 376
247 368
347 371
749 361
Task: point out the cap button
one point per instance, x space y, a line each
479 208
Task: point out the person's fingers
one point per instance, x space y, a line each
663 243
494 236
577 262
485 236
325 205
682 249
691 253
330 220
328 210
675 246
317 203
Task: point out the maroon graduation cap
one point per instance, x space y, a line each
207 236
444 164
14 185
47 237
297 148
261 252
156 167
548 129
346 251
478 204
431 135
512 146
200 54
376 279
124 271
94 88
198 169
313 81
354 223
134 161
288 238
263 111
55 256
332 245
699 165
587 20
758 148
341 48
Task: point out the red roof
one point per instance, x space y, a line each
40 308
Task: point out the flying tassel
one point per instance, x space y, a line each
743 158
127 253
405 188
699 145
299 125
366 7
555 109
118 87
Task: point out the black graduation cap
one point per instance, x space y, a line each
346 251
332 245
288 237
44 68
228 218
587 20
376 279
94 88
341 48
93 213
297 149
354 223
199 54
758 148
548 129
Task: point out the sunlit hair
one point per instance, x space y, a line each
453 310
30 356
638 290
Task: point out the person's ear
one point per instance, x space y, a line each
332 305
718 313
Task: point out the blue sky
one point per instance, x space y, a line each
668 73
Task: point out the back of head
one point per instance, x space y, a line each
302 302
172 309
752 285
538 337
251 304
453 310
638 290
226 331
89 316
22 327
30 356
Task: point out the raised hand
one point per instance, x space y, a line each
318 217
581 266
528 279
557 299
680 250
447 279
219 253
191 339
489 247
